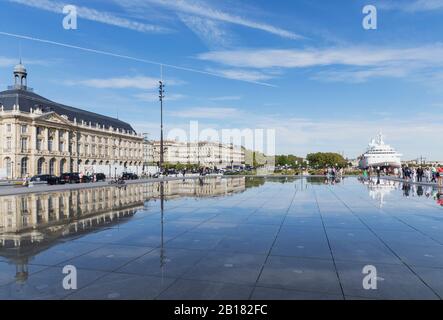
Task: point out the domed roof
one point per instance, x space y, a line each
20 68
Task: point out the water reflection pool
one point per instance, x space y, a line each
235 238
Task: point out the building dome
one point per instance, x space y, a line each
20 68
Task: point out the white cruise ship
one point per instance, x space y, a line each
380 155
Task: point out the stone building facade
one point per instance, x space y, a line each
39 136
205 154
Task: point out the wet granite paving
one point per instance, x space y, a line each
288 239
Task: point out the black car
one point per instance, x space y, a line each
49 179
87 179
70 178
129 176
99 177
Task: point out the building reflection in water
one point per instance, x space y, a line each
32 223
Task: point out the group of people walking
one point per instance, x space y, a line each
420 174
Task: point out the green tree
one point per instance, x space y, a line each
325 159
288 160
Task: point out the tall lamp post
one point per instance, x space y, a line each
161 97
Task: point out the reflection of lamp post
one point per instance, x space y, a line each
162 209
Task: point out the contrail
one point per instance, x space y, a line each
116 55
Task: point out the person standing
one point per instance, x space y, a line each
434 174
440 176
428 175
420 173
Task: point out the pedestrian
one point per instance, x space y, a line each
434 174
420 174
414 175
428 175
440 176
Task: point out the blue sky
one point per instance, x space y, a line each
305 68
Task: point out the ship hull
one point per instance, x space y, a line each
366 163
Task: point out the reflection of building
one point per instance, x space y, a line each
39 136
34 218
210 154
211 187
30 224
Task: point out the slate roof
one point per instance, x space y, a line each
28 99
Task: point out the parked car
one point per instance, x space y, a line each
86 179
49 179
99 177
70 178
129 176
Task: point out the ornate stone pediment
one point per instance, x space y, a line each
54 118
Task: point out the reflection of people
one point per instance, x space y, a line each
406 189
439 198
365 174
440 176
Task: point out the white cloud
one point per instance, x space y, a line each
7 62
206 113
357 64
153 97
359 76
139 82
413 6
226 98
243 74
93 15
351 136
302 58
203 10
209 31
301 136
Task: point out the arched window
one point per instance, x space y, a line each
52 166
8 166
62 166
40 163
24 167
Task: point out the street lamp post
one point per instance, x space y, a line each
161 97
